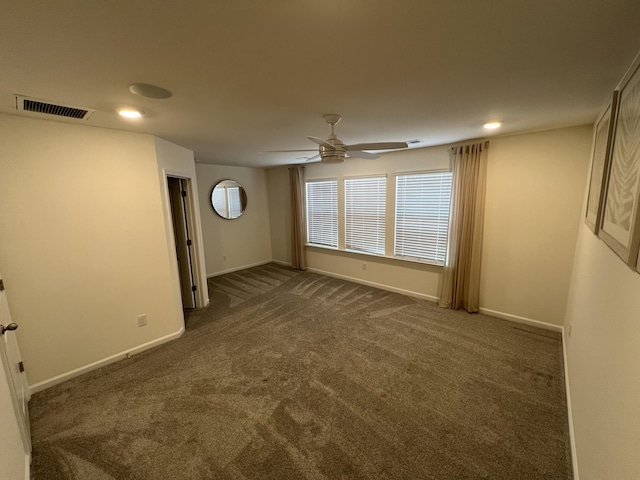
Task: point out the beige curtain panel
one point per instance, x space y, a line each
461 280
298 255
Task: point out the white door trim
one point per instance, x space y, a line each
197 246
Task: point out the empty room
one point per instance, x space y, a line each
319 240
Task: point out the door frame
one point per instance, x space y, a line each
197 245
183 231
20 414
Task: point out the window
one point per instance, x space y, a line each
422 216
365 204
219 198
228 199
235 209
322 213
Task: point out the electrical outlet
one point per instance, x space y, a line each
142 320
570 328
364 266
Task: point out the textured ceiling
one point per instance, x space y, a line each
250 75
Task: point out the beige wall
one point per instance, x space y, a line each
535 186
279 214
534 195
243 241
603 353
82 243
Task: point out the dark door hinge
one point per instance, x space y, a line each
1 285
188 242
20 367
184 193
194 288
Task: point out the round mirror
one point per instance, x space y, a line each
228 199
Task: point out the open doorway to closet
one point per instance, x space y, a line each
179 190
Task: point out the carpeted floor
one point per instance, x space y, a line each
291 375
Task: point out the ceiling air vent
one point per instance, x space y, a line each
26 104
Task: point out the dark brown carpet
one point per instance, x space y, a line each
291 375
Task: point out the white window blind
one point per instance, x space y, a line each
220 199
235 208
365 203
322 212
227 201
422 216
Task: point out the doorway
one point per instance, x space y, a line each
182 232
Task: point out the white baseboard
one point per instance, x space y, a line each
280 262
381 286
518 319
235 269
411 293
37 387
485 311
572 436
27 467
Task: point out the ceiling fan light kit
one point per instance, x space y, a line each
334 150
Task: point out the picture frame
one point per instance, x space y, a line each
603 131
620 223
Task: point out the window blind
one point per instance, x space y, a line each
322 212
365 204
422 216
235 208
220 199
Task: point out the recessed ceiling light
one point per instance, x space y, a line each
492 125
129 113
149 91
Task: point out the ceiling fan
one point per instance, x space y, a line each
334 150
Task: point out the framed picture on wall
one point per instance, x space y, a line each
601 156
620 225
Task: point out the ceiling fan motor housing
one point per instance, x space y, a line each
329 155
334 150
332 158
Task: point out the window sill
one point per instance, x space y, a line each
325 247
375 255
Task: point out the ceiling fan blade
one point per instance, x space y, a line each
311 159
289 151
361 154
376 146
321 142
